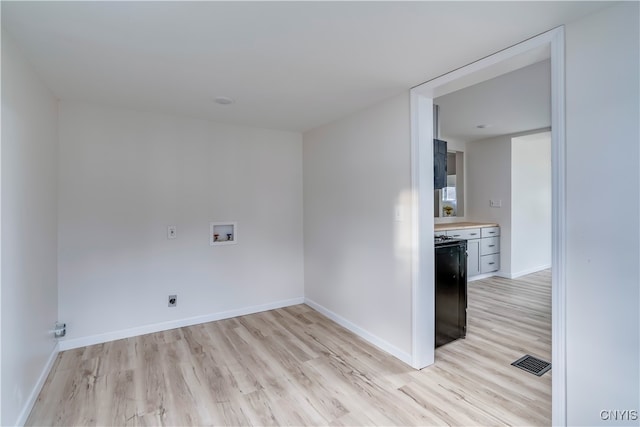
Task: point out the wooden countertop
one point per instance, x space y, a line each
463 225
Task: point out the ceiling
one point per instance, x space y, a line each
514 102
288 65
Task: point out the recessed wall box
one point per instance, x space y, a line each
223 233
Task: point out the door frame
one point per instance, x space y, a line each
423 306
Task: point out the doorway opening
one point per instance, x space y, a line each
550 44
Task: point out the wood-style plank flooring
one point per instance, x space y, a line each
293 366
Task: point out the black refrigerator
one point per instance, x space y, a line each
450 290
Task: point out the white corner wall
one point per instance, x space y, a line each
602 110
29 237
509 169
357 251
125 176
530 203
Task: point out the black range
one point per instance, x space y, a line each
450 289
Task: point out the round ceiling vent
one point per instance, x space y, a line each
223 100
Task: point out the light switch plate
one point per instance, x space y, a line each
399 213
171 232
495 203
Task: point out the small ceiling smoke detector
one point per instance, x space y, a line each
223 100
483 126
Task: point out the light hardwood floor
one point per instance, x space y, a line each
293 366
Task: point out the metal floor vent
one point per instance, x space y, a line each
532 365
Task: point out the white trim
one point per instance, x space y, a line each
35 392
362 333
523 272
68 344
558 225
422 266
421 135
483 276
430 88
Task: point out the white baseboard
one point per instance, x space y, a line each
362 333
482 276
524 272
33 396
69 344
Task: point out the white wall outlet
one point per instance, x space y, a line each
495 203
171 232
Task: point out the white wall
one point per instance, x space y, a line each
530 203
603 332
29 238
489 178
125 176
357 256
519 175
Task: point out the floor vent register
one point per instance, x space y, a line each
532 365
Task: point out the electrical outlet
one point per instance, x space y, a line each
60 330
173 300
171 232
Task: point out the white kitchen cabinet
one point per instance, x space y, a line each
483 246
490 231
489 250
473 257
489 263
490 245
466 234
